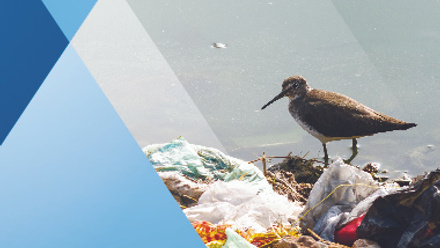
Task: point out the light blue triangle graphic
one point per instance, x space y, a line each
69 14
71 174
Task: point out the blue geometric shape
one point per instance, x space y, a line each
71 174
69 14
30 45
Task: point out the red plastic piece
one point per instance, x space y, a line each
347 235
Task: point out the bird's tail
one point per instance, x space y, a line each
406 126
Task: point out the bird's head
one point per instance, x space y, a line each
293 87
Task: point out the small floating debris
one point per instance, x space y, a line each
373 169
219 45
404 180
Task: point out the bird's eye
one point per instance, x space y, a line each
295 85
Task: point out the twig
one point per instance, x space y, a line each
327 242
305 155
285 184
316 236
258 159
264 164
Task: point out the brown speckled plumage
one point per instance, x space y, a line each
335 115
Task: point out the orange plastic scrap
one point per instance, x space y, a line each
262 239
211 234
216 244
214 236
257 239
271 236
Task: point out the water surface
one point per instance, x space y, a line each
386 55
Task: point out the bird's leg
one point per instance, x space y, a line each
354 151
354 145
325 154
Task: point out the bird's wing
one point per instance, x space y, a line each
336 115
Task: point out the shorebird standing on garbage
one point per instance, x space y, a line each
330 116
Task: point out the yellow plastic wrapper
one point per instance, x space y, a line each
214 236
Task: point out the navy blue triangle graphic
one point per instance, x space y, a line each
31 44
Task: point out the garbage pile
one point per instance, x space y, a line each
408 218
230 203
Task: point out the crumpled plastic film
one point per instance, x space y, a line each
407 218
346 188
199 162
237 193
243 204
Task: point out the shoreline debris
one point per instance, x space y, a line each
297 202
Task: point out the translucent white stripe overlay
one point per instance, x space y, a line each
136 78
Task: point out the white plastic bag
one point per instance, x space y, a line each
345 204
243 204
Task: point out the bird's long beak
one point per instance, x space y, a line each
278 97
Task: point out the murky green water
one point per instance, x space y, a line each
385 54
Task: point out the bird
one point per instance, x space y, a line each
330 116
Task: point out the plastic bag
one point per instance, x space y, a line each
199 162
347 235
350 192
408 218
243 204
